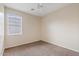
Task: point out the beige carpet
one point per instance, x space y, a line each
39 48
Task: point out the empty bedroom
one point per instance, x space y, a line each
39 29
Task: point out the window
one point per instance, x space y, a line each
14 24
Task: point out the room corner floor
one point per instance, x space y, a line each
39 48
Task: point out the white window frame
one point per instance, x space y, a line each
14 15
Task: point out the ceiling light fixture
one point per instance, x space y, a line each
39 6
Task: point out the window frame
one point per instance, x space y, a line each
14 15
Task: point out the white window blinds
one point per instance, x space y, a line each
14 24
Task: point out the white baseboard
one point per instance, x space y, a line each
61 46
22 44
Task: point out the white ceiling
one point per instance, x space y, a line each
26 7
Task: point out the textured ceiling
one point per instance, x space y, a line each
26 7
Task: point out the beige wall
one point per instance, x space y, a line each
62 27
30 28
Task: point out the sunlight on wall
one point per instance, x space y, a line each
1 30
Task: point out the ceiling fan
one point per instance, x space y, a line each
39 6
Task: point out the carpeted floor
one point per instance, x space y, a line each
39 48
